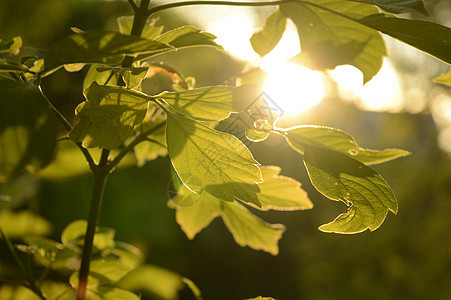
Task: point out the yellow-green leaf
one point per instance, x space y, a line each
150 31
337 140
342 178
444 79
206 159
246 228
264 40
280 192
329 40
108 116
98 46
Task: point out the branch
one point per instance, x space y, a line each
229 3
133 5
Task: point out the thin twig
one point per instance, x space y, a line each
133 5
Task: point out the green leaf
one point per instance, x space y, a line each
153 281
131 76
398 6
280 192
246 228
52 254
340 141
152 148
98 46
269 36
108 116
150 31
187 36
74 233
111 293
259 131
12 66
206 159
27 129
102 78
22 223
342 178
192 219
12 46
329 40
444 79
429 37
207 103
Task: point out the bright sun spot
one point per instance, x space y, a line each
294 88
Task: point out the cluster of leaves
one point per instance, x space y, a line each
204 130
116 268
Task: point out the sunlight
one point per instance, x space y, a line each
294 88
382 93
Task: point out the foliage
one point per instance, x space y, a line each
215 172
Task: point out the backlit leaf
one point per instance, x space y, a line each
98 46
268 37
74 233
12 66
444 79
131 76
397 6
152 148
342 178
432 38
249 230
27 129
102 78
337 140
329 40
150 31
246 228
153 281
22 223
207 103
187 36
206 159
192 219
281 193
12 46
108 116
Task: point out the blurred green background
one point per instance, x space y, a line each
409 257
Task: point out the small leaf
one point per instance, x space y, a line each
432 38
207 103
337 140
154 147
52 254
27 130
153 281
192 219
248 230
342 178
11 46
398 6
187 36
98 46
12 66
74 233
23 223
269 36
102 78
259 131
131 76
108 116
281 193
329 40
444 79
150 31
211 160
